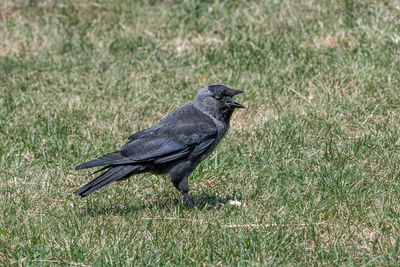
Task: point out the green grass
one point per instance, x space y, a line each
315 158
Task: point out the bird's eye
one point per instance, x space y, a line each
218 97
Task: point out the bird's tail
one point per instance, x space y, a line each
114 158
110 175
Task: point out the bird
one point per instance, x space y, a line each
173 147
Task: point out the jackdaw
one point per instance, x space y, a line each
175 146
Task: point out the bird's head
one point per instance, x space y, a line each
217 100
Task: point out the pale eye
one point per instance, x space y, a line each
218 97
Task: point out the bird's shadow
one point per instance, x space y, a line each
203 201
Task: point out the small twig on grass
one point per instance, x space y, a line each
303 97
370 115
249 225
63 262
252 225
170 219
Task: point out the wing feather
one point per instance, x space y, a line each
183 132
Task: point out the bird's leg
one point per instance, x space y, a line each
189 200
183 187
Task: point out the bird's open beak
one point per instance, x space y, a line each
232 93
235 105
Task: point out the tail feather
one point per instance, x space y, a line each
111 175
114 158
107 174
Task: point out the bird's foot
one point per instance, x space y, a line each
189 201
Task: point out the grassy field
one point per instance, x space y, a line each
315 158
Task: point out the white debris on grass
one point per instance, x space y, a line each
234 203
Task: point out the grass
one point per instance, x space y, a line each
315 157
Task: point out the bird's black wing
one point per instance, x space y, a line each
176 136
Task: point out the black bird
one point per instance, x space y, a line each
175 146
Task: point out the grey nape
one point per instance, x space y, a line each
175 146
